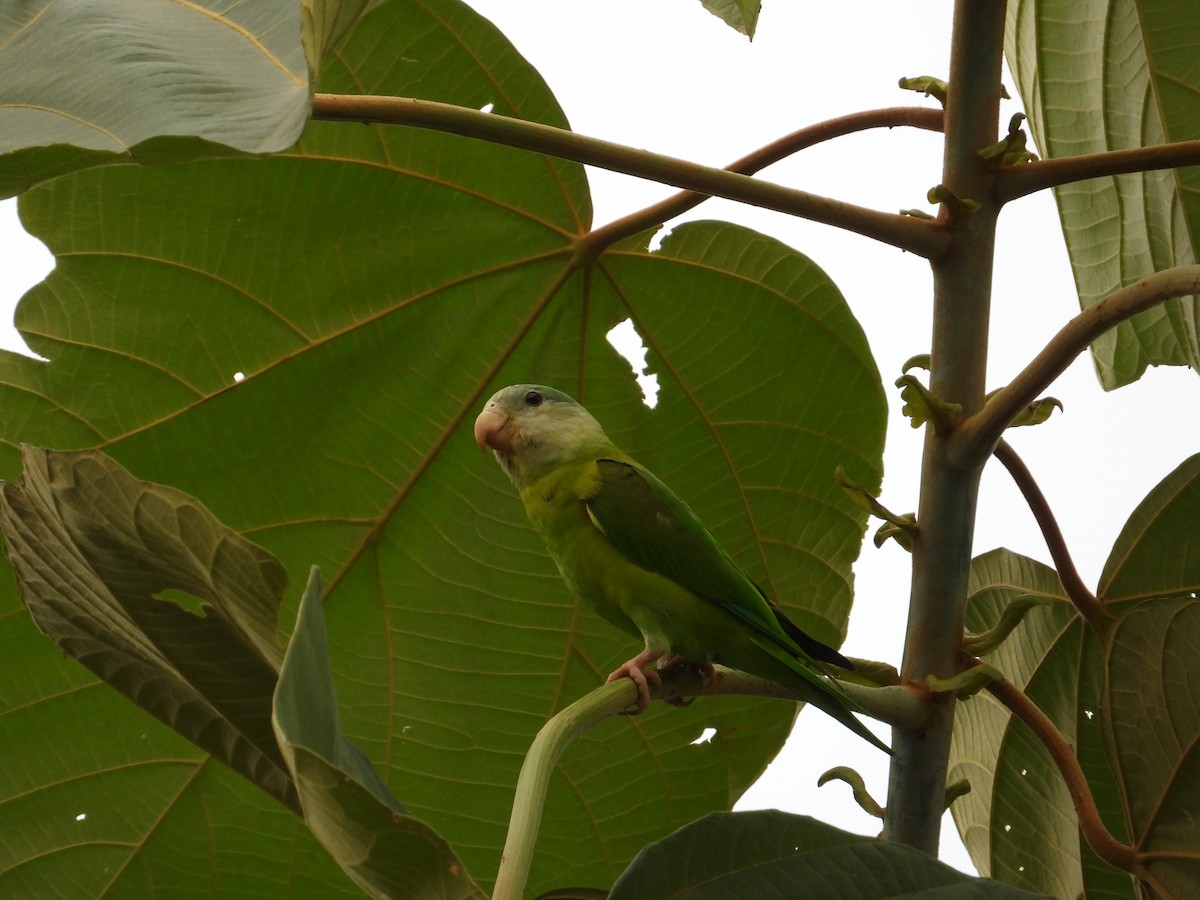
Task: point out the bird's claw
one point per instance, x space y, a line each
705 669
644 679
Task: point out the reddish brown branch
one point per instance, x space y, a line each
1017 181
912 116
1085 601
924 238
1107 847
974 440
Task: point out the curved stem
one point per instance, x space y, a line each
1085 601
901 706
1017 181
530 798
1107 847
913 116
975 438
924 238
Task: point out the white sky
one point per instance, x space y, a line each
668 77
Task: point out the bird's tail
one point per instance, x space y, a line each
814 688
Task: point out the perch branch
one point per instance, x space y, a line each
1107 847
1085 601
902 706
914 116
1017 181
924 238
530 798
975 438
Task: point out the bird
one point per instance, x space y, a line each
627 546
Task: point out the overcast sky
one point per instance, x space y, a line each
667 76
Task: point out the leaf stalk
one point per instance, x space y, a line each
977 437
1018 181
1085 601
802 139
1107 847
923 238
534 780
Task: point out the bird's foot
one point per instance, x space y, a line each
705 669
644 678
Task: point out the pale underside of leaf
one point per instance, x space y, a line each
1099 76
740 15
141 77
93 548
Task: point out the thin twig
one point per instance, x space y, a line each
974 440
913 116
1085 601
1107 847
922 237
1018 181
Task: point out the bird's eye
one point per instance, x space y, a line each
533 398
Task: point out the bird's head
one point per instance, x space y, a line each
534 429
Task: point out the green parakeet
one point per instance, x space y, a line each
640 557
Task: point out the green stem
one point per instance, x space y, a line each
1018 181
664 210
923 238
530 799
900 706
942 549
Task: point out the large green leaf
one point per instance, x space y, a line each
740 15
1111 75
988 753
111 567
773 854
96 551
302 342
1154 724
1119 689
155 82
1152 721
350 810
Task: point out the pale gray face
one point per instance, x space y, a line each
533 429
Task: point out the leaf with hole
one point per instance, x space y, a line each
1120 692
373 285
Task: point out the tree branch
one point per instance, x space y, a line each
901 706
924 238
975 438
1017 181
664 210
1098 837
1085 601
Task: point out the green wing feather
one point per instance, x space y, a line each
656 530
659 532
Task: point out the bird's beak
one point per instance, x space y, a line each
493 429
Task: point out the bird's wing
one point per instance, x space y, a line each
656 530
659 532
